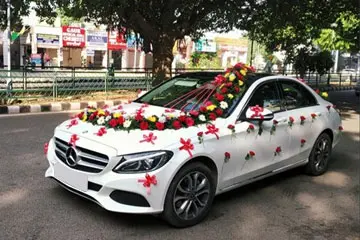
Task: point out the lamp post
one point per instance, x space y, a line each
8 80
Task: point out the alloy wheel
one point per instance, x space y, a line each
322 153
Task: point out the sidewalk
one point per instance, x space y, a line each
73 106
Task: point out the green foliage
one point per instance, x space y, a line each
18 8
313 61
205 60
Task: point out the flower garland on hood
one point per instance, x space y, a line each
227 88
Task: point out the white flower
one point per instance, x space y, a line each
202 117
162 119
107 118
224 105
101 120
127 124
182 114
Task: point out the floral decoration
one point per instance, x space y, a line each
101 132
200 137
211 129
277 151
302 120
249 155
149 138
46 148
302 142
227 156
73 122
147 181
273 127
341 128
73 139
187 146
250 128
227 88
313 116
291 121
328 107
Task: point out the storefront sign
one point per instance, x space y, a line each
73 37
116 41
96 40
90 52
47 40
205 45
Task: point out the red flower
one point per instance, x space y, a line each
230 126
176 124
189 122
144 125
121 120
252 153
239 65
328 107
224 90
219 79
275 122
160 125
291 119
277 150
251 127
138 117
302 141
120 107
341 128
313 115
73 139
302 118
218 111
203 109
194 113
80 115
212 116
229 84
317 91
249 155
227 155
219 97
92 116
182 118
200 134
113 123
237 89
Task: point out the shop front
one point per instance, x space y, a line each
96 45
73 42
232 50
116 45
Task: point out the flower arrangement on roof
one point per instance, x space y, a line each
225 89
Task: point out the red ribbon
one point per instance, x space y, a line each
169 110
73 139
257 111
72 123
46 147
147 181
101 131
212 130
149 138
187 146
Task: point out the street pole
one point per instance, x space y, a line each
8 80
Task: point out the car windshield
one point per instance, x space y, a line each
187 92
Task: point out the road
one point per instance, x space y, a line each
288 206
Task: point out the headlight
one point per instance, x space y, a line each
143 162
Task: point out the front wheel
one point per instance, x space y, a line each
190 195
319 156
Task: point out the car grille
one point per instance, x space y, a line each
90 161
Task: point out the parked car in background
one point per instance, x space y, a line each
348 74
195 136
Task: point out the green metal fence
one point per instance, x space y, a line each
55 83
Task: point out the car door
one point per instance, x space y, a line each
262 144
303 107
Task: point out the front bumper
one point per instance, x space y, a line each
114 192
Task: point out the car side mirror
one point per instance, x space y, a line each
257 113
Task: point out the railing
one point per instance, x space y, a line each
54 83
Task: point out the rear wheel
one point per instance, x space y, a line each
319 156
190 195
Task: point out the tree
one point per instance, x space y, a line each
160 23
18 8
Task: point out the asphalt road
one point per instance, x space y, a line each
288 206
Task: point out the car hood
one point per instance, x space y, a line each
129 142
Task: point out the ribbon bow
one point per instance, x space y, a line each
101 131
149 138
144 105
73 139
186 145
72 123
212 130
46 148
257 111
147 181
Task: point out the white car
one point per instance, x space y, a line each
173 149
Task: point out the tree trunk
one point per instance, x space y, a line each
162 58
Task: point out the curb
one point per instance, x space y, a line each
57 106
336 88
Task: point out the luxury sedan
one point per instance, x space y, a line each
197 135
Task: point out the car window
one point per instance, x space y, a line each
295 95
266 96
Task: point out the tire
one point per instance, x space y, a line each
181 181
319 156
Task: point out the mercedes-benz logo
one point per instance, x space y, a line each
72 157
